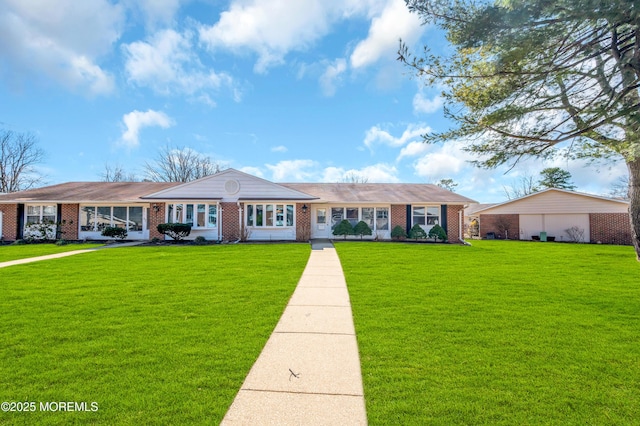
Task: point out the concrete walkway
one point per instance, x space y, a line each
309 371
64 254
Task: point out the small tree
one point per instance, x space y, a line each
114 232
343 228
362 229
417 233
398 233
438 233
176 231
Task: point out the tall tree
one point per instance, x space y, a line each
536 78
180 165
448 184
620 188
525 185
555 177
117 174
19 154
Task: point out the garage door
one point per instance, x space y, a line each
555 225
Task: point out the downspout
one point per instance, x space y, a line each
239 222
219 222
461 226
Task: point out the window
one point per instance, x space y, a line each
279 215
352 215
196 215
428 216
200 218
382 218
321 216
41 214
418 216
433 215
337 213
367 216
95 219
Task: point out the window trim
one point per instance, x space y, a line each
256 215
181 210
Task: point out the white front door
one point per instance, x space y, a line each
320 228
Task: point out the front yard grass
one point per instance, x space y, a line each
154 335
14 252
497 333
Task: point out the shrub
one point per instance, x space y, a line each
176 231
362 229
114 232
398 233
416 232
155 240
200 240
343 228
19 242
438 233
62 242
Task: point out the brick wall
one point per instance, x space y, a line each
453 223
156 217
303 223
399 216
230 227
493 222
9 221
69 215
610 228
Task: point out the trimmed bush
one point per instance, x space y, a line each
114 232
200 240
438 233
416 232
398 233
176 231
62 242
343 228
362 229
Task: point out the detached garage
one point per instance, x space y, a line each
557 215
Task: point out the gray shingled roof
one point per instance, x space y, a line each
86 192
392 193
400 193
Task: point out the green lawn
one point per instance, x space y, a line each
507 333
154 335
14 252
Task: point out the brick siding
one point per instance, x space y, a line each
610 228
9 221
490 222
230 227
69 215
303 223
399 216
156 217
453 223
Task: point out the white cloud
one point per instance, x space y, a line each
255 171
378 136
272 29
279 148
158 12
444 161
61 40
168 64
292 170
331 76
394 23
383 173
136 120
413 149
422 104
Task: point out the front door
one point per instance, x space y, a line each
320 228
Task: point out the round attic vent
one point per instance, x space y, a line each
232 186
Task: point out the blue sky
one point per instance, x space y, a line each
288 90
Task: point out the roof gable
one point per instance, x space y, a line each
229 185
559 201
